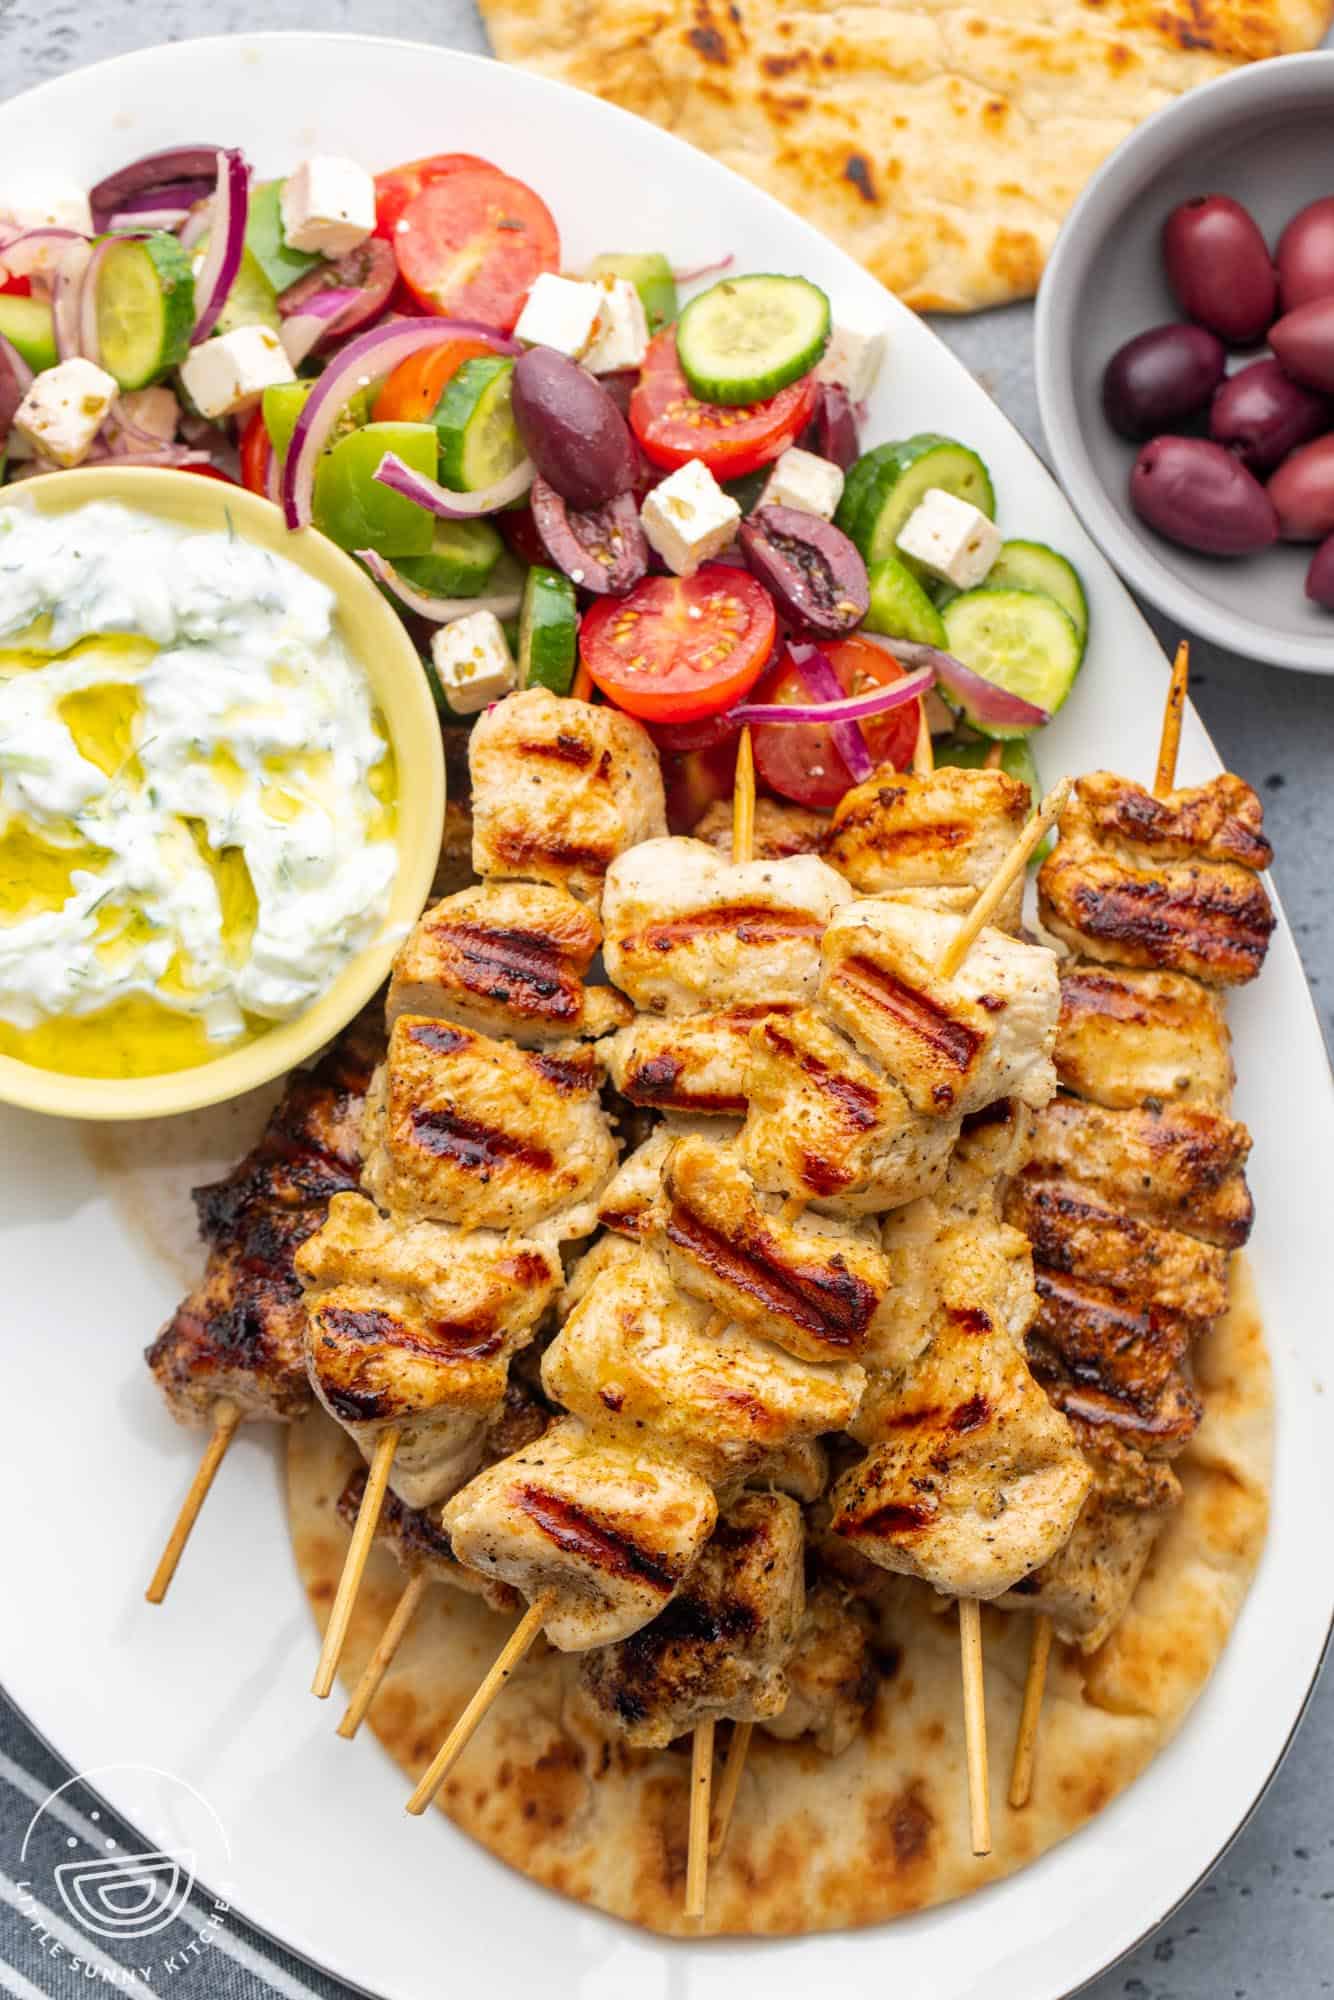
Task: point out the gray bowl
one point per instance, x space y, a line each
1264 135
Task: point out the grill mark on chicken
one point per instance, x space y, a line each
1221 821
519 850
437 1036
572 1075
656 1081
901 842
953 1041
469 1143
836 1307
970 1319
963 1418
856 1102
751 923
564 749
578 1533
504 965
1111 1362
894 1519
1158 916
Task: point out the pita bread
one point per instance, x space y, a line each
819 1843
938 143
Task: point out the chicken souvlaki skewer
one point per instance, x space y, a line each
233 1350
1135 1191
482 1155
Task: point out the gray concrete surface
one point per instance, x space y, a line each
1263 1923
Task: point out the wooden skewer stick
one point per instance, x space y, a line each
743 800
737 1752
924 755
1169 743
349 1583
459 1737
701 1796
1003 880
382 1658
1039 1651
975 1725
581 688
226 1416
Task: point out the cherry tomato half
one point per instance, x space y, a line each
799 761
673 426
210 472
470 246
256 453
400 185
678 647
410 394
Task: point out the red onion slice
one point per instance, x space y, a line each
68 287
15 382
697 271
135 221
154 171
822 684
23 251
443 501
851 708
986 701
171 455
364 360
305 329
440 610
226 243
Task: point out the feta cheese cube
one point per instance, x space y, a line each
564 313
232 371
622 336
43 202
473 662
852 362
64 409
328 206
689 518
951 538
800 479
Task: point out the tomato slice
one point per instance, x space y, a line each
673 426
400 185
410 394
799 761
679 647
210 472
256 453
470 246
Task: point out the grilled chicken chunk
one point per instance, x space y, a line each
952 1045
637 1360
559 789
506 958
241 1332
1114 1362
800 1469
942 829
831 1673
412 1325
780 829
479 1133
415 1538
719 1648
828 1125
1168 883
1075 1232
1128 1038
696 1063
610 1530
1087 1586
972 1479
686 931
1168 1165
810 1285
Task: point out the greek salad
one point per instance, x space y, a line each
570 479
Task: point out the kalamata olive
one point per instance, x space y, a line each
571 429
1199 495
814 574
1262 415
1304 342
1302 491
1218 265
1306 255
832 431
1320 576
1161 377
602 549
370 270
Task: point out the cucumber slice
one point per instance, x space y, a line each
265 241
479 439
251 301
746 338
28 325
145 308
462 556
1020 639
650 274
548 631
900 608
1033 566
902 476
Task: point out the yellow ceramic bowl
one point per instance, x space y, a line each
376 639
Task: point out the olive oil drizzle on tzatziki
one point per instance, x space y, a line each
196 794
